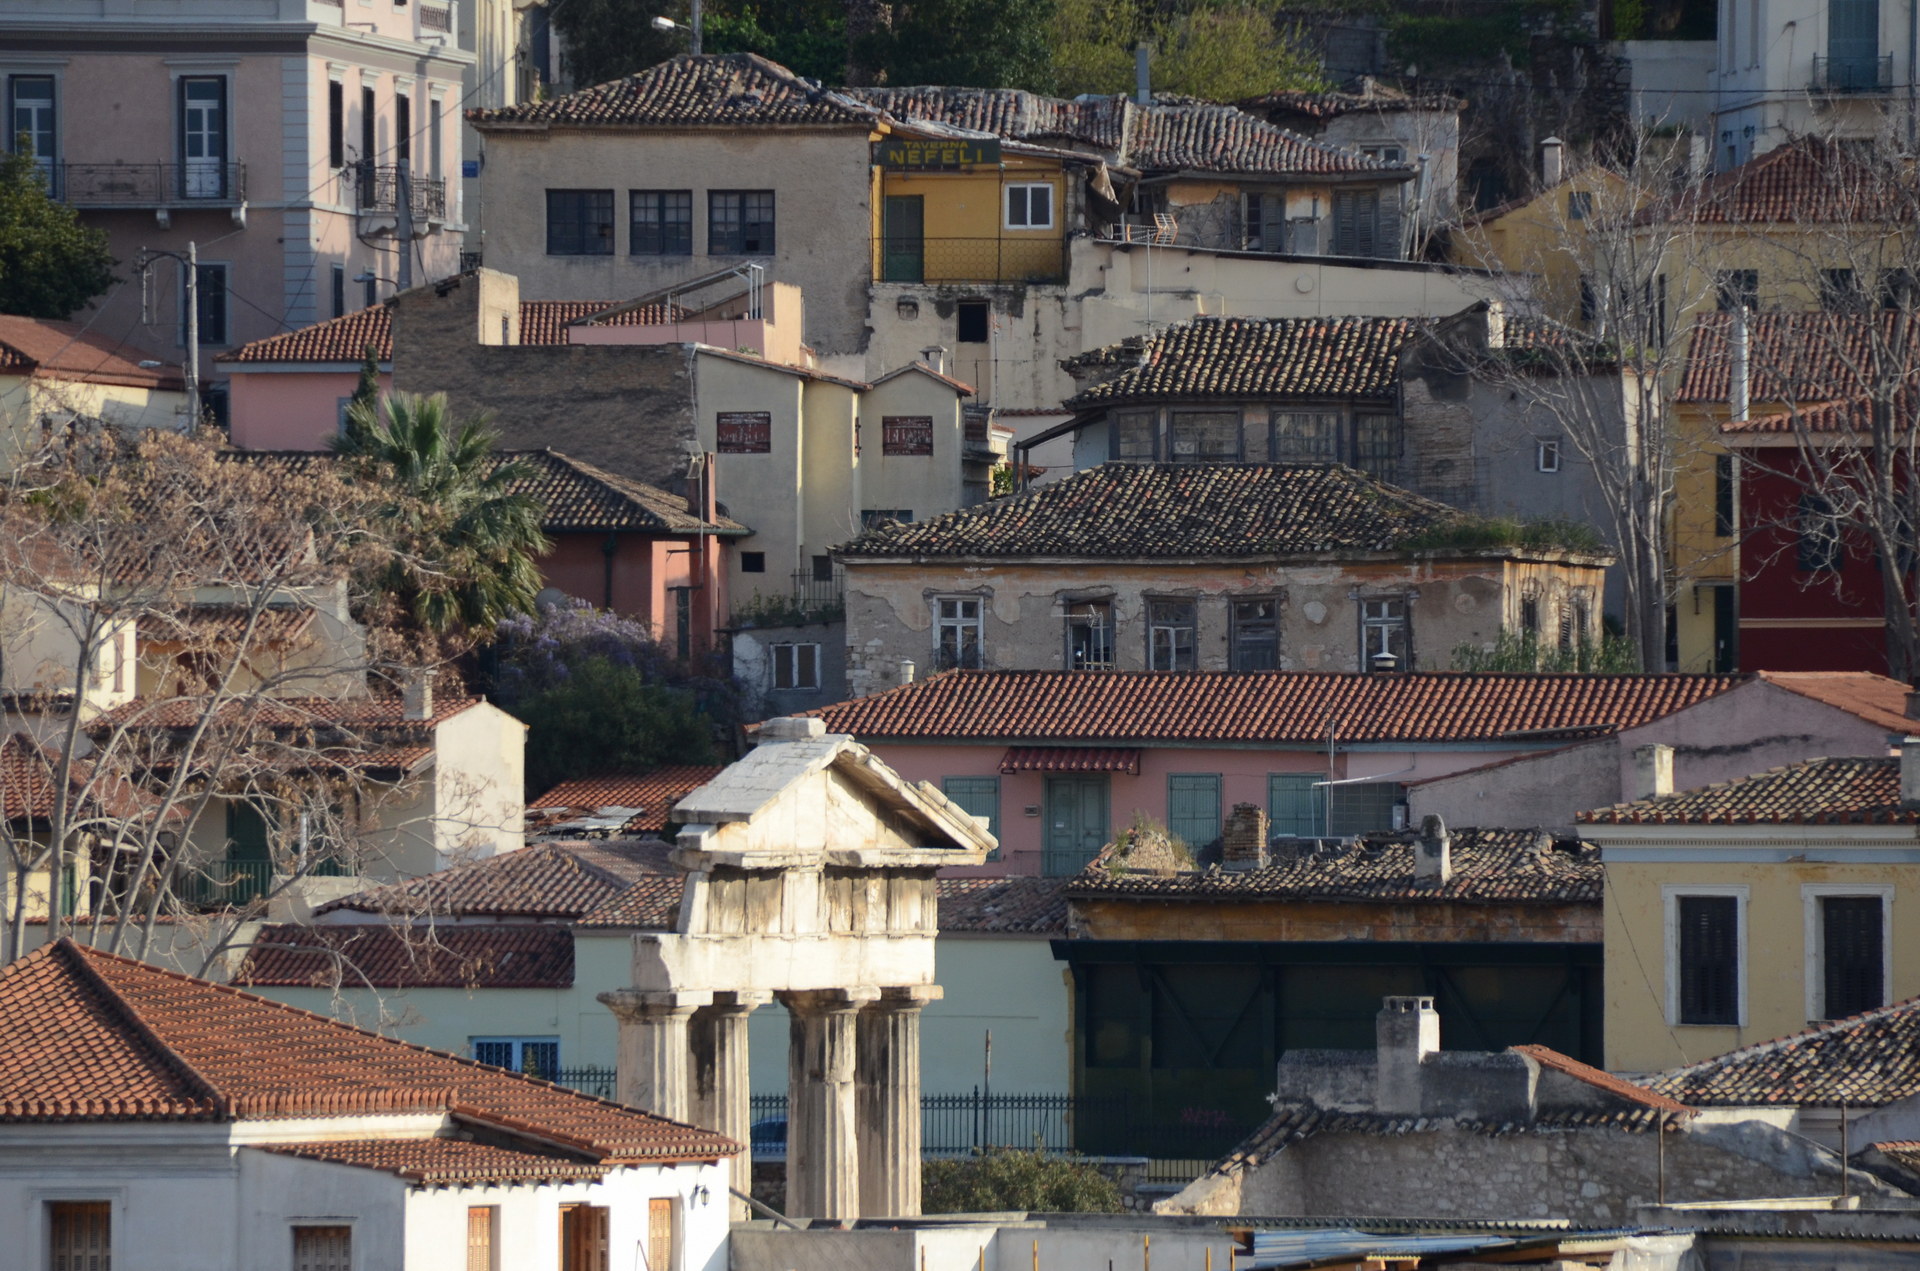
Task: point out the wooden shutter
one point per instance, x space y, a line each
1853 42
1709 970
1387 245
80 1235
1346 230
1193 807
1294 804
1853 942
323 1249
660 1234
584 1242
480 1220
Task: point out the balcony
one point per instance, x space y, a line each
972 260
436 19
1850 76
148 185
376 193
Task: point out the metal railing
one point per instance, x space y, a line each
978 260
147 184
435 17
601 1083
220 884
376 191
1853 74
812 594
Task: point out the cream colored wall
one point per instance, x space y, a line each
830 486
25 401
40 652
766 491
479 780
927 485
1639 1036
1542 241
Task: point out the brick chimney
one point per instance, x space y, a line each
1243 843
1652 771
1406 1031
1433 854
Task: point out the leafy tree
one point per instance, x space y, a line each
1004 1179
50 264
808 37
365 402
971 43
1201 48
462 546
1613 654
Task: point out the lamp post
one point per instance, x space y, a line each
693 30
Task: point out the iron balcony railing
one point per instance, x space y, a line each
975 260
236 883
147 184
1853 74
601 1083
376 191
435 17
813 594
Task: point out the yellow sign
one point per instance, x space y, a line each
910 152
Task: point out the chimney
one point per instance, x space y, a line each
1433 856
793 728
1385 662
907 670
1142 79
1910 772
1913 698
1739 366
1652 771
1550 162
416 699
1243 841
1406 1031
935 356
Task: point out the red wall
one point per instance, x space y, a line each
644 570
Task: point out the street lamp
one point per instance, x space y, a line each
668 24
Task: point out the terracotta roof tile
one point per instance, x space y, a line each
649 904
1804 358
1013 114
443 1162
364 734
654 793
1071 759
1547 1057
345 339
1292 1123
1212 358
1855 415
1875 698
1814 792
1806 181
27 785
1489 867
541 880
1362 97
1272 707
52 349
385 956
1004 906
87 1036
1865 1060
731 89
1134 511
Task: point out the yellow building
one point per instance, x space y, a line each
1548 239
1746 910
55 374
969 209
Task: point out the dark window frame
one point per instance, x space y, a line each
1088 628
1265 630
575 226
1177 658
1386 622
1707 971
668 229
741 222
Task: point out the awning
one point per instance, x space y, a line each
1071 759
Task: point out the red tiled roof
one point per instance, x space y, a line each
87 1036
1274 707
1004 906
1803 358
1070 759
1365 97
654 793
650 904
1490 867
1855 415
444 1162
368 734
1814 792
541 880
737 89
1866 1061
1219 358
1806 181
1875 698
1547 1057
27 786
389 956
345 339
52 349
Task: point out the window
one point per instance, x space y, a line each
1546 454
535 1056
956 631
1265 223
1170 635
1840 291
336 124
1305 438
1295 804
1576 621
1385 153
1853 44
403 131
822 565
1376 446
906 435
660 1251
1133 435
1383 635
1723 490
1256 634
1705 949
1846 936
1737 288
1579 204
1362 807
369 127
971 322
435 107
579 222
1090 635
1204 436
481 1223
212 281
203 136
682 621
1530 615
1193 807
753 562
584 1244
1590 306
370 290
977 796
323 1249
1818 548
79 1235
1365 223
338 278
740 222
660 222
1030 207
1657 310
796 667
30 112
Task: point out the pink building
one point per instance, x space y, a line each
273 135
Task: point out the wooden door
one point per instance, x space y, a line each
1076 810
902 238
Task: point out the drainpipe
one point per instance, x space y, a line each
1142 80
607 549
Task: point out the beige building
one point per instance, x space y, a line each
1746 910
58 375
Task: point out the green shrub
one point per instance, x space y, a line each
1003 1179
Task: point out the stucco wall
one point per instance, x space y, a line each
290 410
1331 920
479 774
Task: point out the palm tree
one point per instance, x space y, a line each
464 544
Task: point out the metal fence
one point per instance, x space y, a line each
1852 74
601 1083
376 190
980 260
147 184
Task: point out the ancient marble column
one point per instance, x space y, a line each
721 1093
653 1063
823 1148
888 1075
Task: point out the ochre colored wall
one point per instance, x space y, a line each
1332 920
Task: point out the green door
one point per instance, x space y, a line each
1853 45
1076 823
1193 807
902 238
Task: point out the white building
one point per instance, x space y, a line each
155 1121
